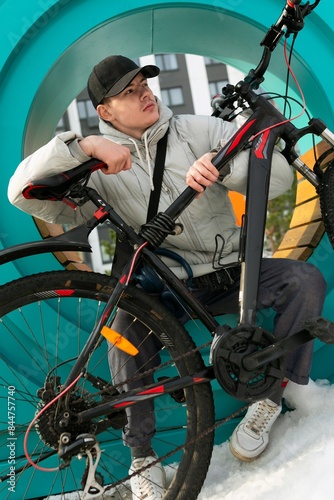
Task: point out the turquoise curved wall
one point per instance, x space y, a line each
48 48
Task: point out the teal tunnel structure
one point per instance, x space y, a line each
48 48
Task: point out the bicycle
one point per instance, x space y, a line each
77 412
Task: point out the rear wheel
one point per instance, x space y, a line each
45 322
326 195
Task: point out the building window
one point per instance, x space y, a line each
63 124
209 61
166 62
172 96
107 243
216 87
61 127
87 113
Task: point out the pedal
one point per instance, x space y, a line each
320 328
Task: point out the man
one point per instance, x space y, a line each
132 122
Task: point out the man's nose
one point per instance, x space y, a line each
144 92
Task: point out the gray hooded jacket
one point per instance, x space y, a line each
129 191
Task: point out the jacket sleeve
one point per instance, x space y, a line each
60 154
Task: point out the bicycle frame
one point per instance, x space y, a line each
261 150
258 134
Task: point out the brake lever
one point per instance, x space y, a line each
220 103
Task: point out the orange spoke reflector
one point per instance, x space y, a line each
119 341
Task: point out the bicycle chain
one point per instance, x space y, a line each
191 441
183 446
152 370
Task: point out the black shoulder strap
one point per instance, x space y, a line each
123 250
159 167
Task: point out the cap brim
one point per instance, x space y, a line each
148 72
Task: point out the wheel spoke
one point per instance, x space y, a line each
45 321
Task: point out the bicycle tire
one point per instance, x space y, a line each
326 195
62 300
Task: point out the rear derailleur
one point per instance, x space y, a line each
84 444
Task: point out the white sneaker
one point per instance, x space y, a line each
150 484
251 436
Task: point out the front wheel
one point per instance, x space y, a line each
326 195
45 321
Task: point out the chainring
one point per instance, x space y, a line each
228 352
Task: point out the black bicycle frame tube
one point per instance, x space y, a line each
235 144
170 278
138 395
254 221
94 337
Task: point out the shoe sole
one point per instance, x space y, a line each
242 457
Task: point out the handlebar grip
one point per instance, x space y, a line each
292 3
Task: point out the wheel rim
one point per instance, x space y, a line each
37 356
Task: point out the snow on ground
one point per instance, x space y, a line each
298 463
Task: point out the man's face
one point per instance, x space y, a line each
133 110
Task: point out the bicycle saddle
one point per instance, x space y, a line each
59 186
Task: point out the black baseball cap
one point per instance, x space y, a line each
110 76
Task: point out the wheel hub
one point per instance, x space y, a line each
58 419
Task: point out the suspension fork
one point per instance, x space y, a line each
254 221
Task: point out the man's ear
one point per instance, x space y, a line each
104 113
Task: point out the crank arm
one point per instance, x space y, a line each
314 328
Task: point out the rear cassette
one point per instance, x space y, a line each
228 353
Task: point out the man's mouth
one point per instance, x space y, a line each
149 106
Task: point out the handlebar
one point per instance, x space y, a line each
290 21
